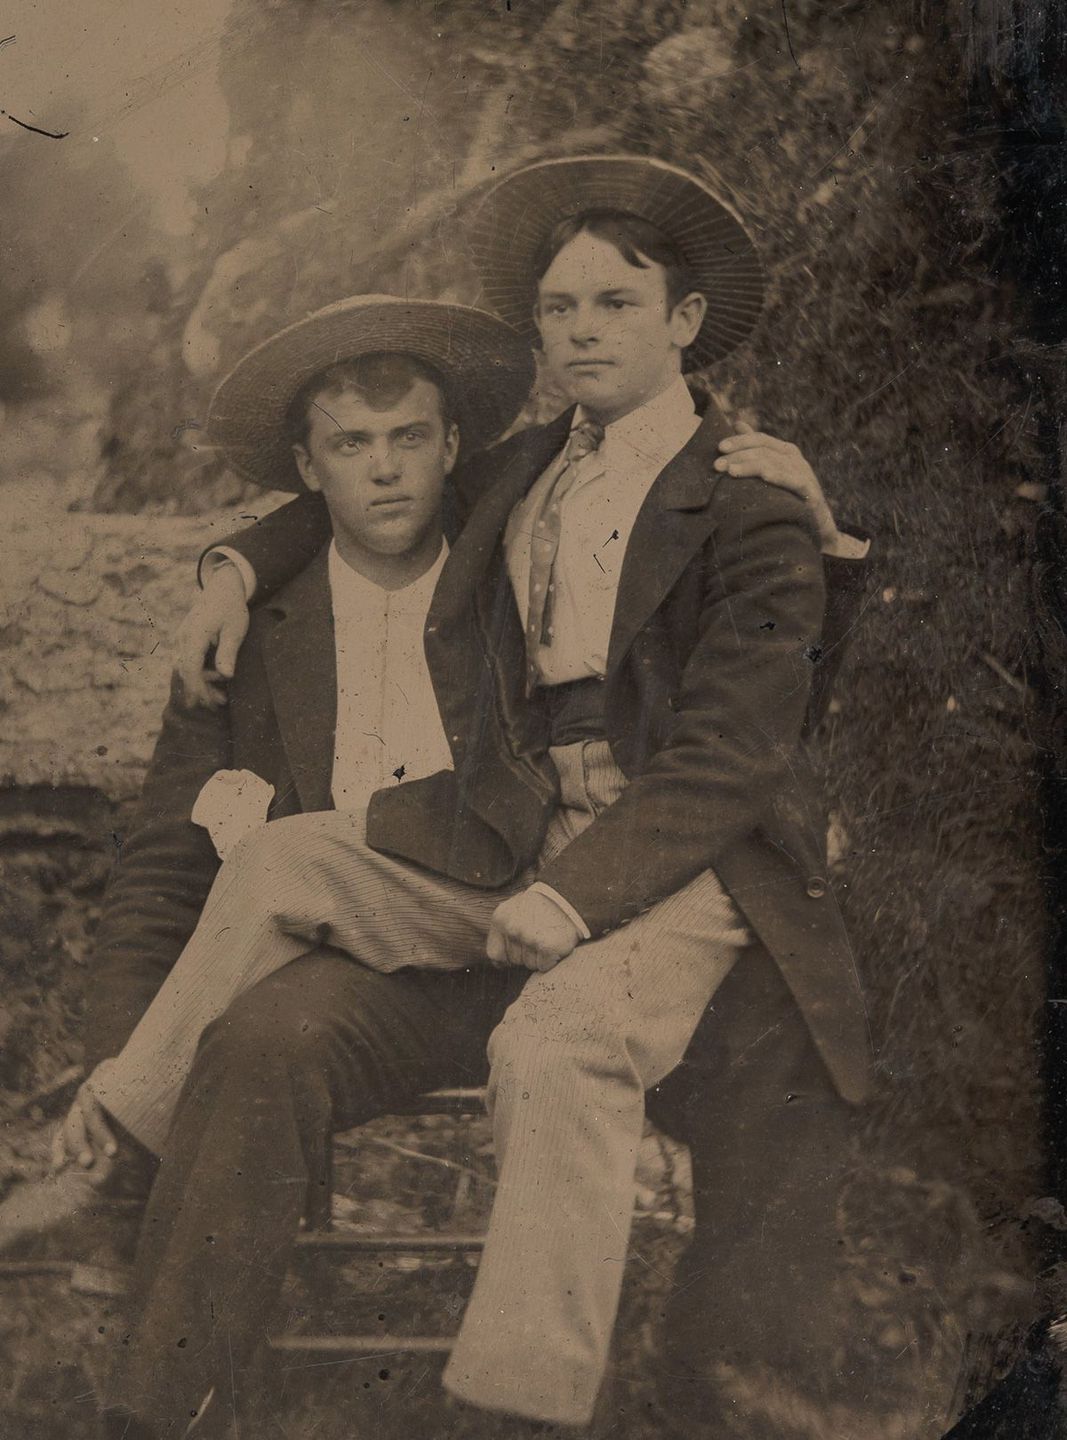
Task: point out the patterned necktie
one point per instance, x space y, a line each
544 543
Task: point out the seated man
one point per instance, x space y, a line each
331 699
697 701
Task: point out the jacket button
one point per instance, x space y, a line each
816 887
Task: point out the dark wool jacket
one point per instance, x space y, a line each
279 722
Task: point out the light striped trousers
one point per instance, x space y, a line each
570 1062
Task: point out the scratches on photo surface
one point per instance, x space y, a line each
36 129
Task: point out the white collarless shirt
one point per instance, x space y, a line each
388 725
597 516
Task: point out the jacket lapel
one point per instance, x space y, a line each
671 526
301 665
474 548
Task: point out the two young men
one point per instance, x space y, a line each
621 644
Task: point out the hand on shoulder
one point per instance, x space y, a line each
218 620
779 462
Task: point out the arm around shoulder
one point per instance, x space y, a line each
283 543
266 556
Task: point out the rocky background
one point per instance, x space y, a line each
891 352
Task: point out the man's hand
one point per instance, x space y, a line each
531 932
218 617
85 1136
750 452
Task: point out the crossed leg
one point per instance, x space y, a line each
299 882
570 1064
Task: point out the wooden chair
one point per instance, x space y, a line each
321 1239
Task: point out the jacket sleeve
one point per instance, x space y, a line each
162 874
846 588
282 544
740 712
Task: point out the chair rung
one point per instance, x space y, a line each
354 1345
368 1244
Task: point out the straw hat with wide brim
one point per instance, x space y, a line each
515 218
489 370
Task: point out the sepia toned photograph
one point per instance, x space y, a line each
533 771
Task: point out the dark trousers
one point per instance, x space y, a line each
771 1142
326 1044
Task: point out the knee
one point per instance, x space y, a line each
297 874
536 1037
259 864
264 1034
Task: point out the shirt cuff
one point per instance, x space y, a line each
222 555
540 888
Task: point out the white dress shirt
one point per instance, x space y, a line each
388 725
597 515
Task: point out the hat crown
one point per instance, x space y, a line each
517 214
489 367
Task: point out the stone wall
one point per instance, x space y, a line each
89 605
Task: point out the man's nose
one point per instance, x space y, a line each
384 465
585 325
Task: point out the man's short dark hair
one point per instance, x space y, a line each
637 241
380 380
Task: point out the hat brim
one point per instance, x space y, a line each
516 217
488 367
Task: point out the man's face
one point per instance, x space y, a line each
609 338
381 472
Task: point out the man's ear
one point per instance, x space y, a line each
305 467
686 319
451 447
